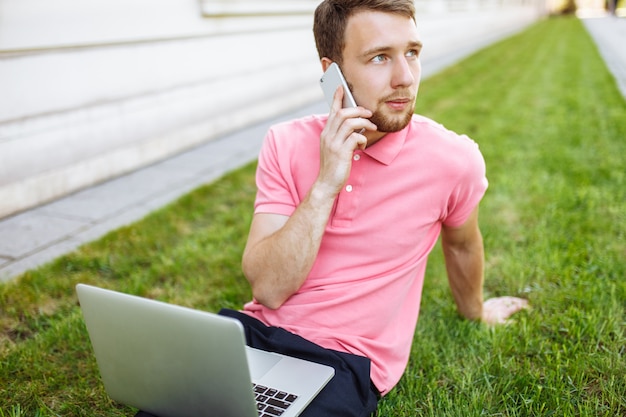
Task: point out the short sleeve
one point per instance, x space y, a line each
273 186
470 188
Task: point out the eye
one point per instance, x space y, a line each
413 53
378 58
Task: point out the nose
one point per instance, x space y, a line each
405 73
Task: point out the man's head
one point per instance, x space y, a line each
331 19
376 44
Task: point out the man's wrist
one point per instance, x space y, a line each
474 312
321 193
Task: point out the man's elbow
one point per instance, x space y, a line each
268 298
263 293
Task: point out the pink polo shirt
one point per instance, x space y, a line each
363 293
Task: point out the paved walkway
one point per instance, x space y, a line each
32 238
609 32
35 237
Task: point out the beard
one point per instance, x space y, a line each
391 123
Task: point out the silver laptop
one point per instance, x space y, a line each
173 361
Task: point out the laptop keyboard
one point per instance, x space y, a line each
270 402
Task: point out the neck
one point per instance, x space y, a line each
374 136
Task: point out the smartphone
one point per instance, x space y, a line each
330 81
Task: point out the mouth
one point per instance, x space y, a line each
398 103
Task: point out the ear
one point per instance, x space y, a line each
325 63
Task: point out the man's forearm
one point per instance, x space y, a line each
465 267
278 265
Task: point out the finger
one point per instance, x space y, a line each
338 115
364 123
360 123
507 301
360 140
337 100
515 303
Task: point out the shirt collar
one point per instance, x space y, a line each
387 148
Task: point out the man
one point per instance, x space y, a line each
344 221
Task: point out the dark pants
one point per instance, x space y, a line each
350 393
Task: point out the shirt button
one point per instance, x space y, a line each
349 188
357 157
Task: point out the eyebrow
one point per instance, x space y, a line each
379 49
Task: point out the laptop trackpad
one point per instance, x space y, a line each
260 361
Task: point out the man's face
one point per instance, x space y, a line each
381 65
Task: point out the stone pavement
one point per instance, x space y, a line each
609 33
35 237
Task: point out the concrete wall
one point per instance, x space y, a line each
90 90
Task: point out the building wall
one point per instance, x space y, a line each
90 90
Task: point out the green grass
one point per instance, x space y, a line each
552 126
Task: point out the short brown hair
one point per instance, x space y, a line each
331 18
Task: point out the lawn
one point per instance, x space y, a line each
552 127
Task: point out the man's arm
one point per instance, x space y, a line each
281 250
464 257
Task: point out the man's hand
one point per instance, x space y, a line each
338 141
498 310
